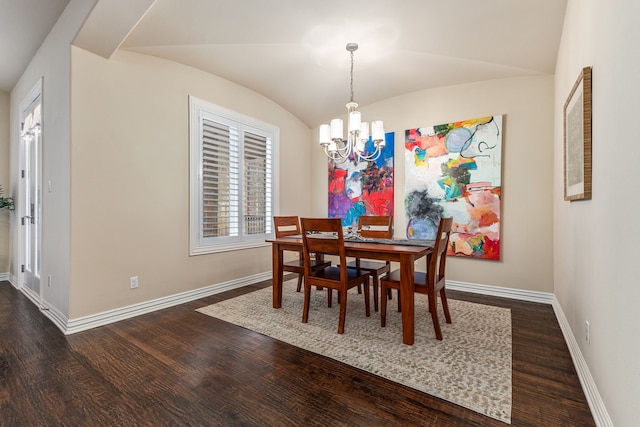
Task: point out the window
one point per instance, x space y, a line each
232 195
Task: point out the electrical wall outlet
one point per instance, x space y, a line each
587 331
133 282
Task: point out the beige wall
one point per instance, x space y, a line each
527 106
595 241
130 169
4 181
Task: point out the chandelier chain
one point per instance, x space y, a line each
351 83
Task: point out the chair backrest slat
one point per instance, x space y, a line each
322 235
286 226
376 227
438 258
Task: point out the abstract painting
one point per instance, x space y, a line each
454 170
362 188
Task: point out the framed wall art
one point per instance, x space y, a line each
577 139
358 188
455 170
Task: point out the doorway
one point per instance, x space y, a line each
29 206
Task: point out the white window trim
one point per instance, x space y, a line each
198 108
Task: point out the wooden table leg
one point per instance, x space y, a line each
407 299
277 259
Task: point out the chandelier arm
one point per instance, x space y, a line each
345 151
371 157
335 157
342 153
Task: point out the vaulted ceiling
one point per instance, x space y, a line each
293 51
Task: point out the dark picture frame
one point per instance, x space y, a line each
577 139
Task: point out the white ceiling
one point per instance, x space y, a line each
293 51
24 24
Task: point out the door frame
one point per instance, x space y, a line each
35 95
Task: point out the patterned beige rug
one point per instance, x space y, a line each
471 367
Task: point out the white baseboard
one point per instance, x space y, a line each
4 276
497 291
58 319
72 326
13 279
31 294
598 410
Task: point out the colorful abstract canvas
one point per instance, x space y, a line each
454 170
362 188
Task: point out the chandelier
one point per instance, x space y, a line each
338 149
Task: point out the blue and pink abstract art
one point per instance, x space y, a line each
362 188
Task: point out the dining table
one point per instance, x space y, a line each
403 251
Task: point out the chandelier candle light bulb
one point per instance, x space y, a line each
377 132
364 131
331 137
354 122
336 129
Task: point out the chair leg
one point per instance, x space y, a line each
399 306
376 284
329 296
307 301
300 277
433 300
343 311
383 307
367 304
389 290
445 305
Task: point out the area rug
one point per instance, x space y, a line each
470 367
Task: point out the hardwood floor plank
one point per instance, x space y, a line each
179 367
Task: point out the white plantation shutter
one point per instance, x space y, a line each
257 188
232 180
219 179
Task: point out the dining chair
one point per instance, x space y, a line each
290 226
325 236
376 227
430 283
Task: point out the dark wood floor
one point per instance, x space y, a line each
178 367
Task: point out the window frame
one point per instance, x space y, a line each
200 110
